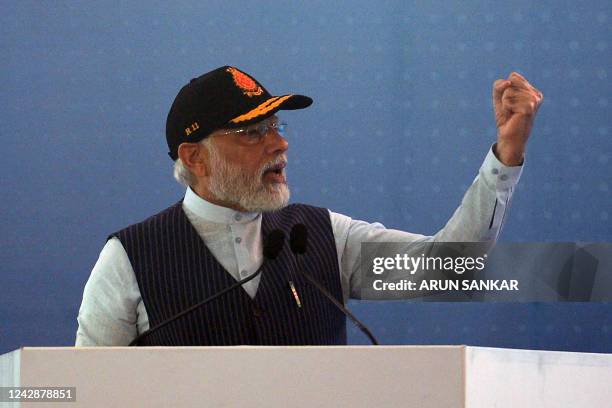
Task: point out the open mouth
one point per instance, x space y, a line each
276 173
277 168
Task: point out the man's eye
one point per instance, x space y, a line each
253 133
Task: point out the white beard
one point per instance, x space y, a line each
231 184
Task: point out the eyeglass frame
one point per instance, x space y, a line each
261 129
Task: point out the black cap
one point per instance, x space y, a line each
223 98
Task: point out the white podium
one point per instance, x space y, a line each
354 376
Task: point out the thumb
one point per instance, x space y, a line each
499 87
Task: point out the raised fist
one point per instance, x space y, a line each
516 104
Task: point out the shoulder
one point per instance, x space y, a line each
152 222
298 213
305 209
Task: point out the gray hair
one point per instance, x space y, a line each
182 174
230 184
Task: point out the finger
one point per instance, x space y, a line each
518 81
520 101
532 92
540 98
522 82
532 97
509 100
499 87
517 75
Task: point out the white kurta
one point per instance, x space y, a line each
112 312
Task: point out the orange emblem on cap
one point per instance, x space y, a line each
246 83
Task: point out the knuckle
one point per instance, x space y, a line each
531 108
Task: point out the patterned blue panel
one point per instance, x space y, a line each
401 122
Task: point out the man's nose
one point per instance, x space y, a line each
276 143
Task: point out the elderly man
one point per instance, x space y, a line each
229 150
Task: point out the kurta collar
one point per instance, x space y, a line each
213 212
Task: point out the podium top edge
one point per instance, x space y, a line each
468 352
246 347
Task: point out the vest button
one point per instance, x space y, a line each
257 312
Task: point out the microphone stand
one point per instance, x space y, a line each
298 243
272 247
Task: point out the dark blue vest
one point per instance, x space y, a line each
175 270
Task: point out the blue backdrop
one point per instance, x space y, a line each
401 122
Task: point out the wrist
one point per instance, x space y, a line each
509 155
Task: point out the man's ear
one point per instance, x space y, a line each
195 157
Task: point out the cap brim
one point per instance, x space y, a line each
269 108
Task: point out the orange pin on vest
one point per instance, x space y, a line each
295 294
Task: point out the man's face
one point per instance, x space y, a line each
247 167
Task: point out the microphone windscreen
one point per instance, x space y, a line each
273 244
298 239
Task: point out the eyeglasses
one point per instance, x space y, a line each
255 133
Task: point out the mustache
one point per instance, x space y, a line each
279 160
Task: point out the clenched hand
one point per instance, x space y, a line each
516 103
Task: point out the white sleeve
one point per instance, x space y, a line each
479 218
109 313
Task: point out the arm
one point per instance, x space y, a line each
482 211
479 218
112 311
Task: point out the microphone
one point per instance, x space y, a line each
273 244
298 241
